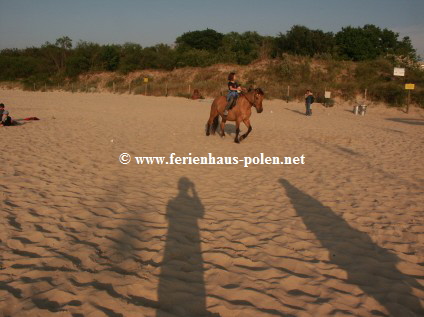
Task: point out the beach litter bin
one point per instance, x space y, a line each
362 109
359 109
356 109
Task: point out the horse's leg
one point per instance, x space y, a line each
215 124
212 121
236 139
249 129
223 127
208 126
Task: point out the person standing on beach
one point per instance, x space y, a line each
309 100
5 119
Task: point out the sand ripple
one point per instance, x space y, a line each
82 235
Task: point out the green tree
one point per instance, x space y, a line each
242 48
91 52
131 57
158 56
300 40
53 54
58 52
405 48
209 40
166 56
358 43
17 67
76 65
195 58
370 42
64 44
109 57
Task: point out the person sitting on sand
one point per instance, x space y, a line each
5 119
233 91
196 95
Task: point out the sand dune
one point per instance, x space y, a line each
83 235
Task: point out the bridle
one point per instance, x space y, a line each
254 99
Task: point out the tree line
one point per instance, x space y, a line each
62 59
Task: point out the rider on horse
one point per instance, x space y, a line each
233 92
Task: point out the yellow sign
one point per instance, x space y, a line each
409 86
146 80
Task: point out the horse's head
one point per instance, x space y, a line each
258 97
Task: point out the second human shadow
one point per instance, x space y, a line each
368 266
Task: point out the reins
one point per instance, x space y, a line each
251 103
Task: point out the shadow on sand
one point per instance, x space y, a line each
296 111
230 128
407 121
370 267
181 290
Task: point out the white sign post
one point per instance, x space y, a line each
399 71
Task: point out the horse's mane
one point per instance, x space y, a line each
259 91
256 90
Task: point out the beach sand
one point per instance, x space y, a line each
84 236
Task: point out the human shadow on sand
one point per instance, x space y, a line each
181 290
370 267
296 111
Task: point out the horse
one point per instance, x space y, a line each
240 112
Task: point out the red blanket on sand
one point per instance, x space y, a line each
31 118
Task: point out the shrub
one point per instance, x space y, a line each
77 65
393 94
328 102
138 90
184 95
417 97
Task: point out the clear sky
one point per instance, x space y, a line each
25 23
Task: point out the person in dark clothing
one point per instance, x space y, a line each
309 100
5 119
233 91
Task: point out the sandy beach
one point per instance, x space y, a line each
82 235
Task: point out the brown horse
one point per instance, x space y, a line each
240 112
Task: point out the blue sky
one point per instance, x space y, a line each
25 23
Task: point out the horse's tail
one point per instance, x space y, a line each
215 123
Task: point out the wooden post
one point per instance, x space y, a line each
325 99
166 90
34 86
113 86
129 87
409 100
189 89
365 94
288 93
145 89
